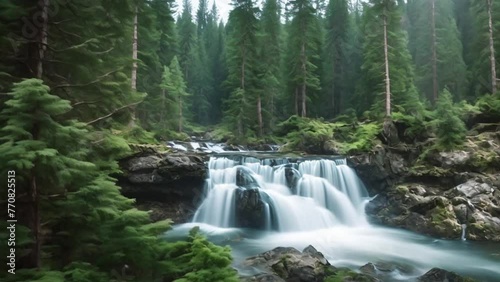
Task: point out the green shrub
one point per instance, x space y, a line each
450 129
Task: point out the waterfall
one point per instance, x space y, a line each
464 230
279 195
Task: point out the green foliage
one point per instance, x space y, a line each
312 134
206 262
95 232
450 129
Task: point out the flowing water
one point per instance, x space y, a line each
321 203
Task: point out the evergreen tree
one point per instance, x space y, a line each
451 129
270 59
64 189
205 261
437 49
241 61
175 84
387 70
486 24
303 49
336 57
187 39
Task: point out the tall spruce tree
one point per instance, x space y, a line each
486 45
270 60
437 49
303 47
241 61
387 67
337 47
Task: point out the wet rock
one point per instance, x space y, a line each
441 275
250 209
174 179
452 159
142 163
369 269
290 265
263 277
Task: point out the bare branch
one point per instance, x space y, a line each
113 112
89 83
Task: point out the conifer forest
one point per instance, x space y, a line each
406 91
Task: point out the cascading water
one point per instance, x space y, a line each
256 205
317 194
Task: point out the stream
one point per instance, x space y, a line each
320 202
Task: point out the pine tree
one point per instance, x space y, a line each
486 43
451 129
303 49
270 60
437 49
387 70
241 56
336 49
175 84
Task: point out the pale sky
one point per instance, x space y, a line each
224 6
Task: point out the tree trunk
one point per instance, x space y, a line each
131 123
259 115
297 100
180 114
387 77
303 86
163 98
134 51
492 49
434 53
42 46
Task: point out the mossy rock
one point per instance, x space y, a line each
347 275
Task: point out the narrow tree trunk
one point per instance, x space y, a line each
434 53
163 98
492 49
42 46
303 86
334 102
180 114
297 100
387 77
242 85
134 51
131 123
259 115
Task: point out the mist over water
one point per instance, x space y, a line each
321 203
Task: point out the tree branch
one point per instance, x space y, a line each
113 112
87 84
85 102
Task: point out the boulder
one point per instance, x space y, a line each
441 275
165 178
290 264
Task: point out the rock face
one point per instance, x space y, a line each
436 193
173 182
289 264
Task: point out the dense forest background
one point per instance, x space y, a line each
271 60
82 80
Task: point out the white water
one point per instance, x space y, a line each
326 210
326 195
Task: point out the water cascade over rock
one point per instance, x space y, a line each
278 195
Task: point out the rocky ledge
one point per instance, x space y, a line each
289 264
170 185
436 193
